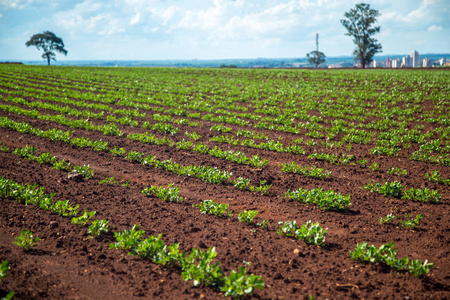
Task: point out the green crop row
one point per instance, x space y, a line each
326 200
293 167
28 152
396 189
196 266
386 255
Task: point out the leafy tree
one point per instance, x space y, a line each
49 43
316 57
359 24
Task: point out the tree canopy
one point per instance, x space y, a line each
49 43
316 58
359 24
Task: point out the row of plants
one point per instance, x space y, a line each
386 255
325 199
35 195
28 153
108 129
397 190
197 266
313 171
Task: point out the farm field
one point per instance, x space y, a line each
352 156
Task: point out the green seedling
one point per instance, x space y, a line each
390 217
84 218
422 195
26 152
238 284
397 171
374 167
310 232
392 189
326 200
4 268
98 227
247 216
128 238
46 158
170 193
117 151
386 255
63 208
436 177
26 240
411 222
264 224
86 171
62 165
126 184
213 208
108 180
198 267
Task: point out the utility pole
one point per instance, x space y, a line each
317 42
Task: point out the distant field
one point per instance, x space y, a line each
352 156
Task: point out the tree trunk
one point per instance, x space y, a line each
48 59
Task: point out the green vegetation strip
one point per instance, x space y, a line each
386 255
326 200
397 190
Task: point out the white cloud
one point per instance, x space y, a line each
434 28
17 4
134 20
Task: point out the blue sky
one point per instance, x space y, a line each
214 29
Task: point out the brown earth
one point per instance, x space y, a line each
66 264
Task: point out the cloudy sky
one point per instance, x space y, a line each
215 29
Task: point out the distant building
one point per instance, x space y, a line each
388 63
414 59
406 61
395 63
426 62
374 63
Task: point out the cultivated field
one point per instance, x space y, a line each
272 184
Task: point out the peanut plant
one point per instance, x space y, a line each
247 216
26 240
436 177
98 227
311 233
411 222
108 181
326 200
387 219
392 189
170 193
386 255
422 195
213 208
84 218
318 173
4 268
